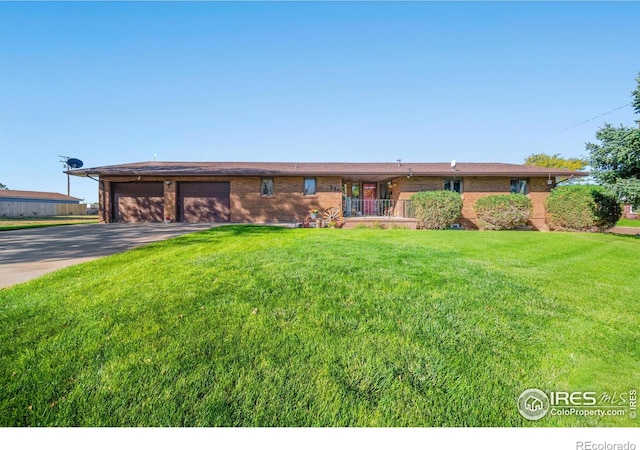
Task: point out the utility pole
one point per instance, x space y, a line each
70 163
65 161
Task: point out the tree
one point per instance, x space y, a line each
3 187
616 160
555 161
636 96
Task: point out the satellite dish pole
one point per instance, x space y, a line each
70 163
65 161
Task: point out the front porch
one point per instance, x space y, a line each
370 208
384 213
371 213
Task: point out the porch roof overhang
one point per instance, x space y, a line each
348 171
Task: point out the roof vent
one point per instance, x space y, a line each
454 163
399 162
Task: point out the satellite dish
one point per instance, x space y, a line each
74 163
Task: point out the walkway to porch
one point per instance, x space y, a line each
383 222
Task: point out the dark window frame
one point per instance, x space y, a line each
451 182
518 185
262 186
315 186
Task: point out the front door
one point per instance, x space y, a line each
369 196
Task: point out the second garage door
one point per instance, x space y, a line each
204 201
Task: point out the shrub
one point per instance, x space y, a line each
436 209
502 212
582 208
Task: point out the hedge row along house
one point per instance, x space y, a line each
278 192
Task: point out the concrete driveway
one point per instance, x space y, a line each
633 231
28 254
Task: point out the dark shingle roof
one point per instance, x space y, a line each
159 168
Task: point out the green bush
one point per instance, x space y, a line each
582 208
436 209
502 212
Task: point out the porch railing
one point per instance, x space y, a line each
376 208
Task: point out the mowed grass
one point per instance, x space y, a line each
20 223
265 326
635 223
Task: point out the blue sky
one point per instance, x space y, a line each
113 82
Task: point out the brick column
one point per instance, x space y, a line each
170 200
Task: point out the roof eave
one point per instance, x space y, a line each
323 174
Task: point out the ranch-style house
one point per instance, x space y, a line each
281 192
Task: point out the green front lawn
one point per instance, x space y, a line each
628 223
21 223
259 326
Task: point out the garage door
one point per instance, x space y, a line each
138 201
204 201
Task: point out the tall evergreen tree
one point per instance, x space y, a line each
616 159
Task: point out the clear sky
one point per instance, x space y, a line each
114 82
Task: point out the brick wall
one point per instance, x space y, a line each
406 187
288 202
104 201
538 192
171 200
474 188
626 212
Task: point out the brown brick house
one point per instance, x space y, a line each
256 192
629 212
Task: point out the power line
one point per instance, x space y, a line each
584 121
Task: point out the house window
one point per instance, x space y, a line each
633 210
453 185
355 190
309 186
266 186
519 187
